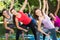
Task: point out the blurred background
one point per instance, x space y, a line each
18 3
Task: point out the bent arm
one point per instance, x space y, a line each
54 18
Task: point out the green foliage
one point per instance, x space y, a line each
52 5
33 3
1 18
2 5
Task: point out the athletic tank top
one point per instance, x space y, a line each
47 22
10 20
24 18
57 21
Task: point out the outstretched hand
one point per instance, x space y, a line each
26 30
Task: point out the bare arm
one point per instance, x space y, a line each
57 9
40 4
24 5
5 25
29 8
54 18
44 6
57 31
39 28
20 28
11 6
47 9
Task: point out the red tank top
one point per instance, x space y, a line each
24 18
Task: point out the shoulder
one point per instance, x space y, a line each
56 16
20 11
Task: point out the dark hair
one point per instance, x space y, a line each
0 13
14 20
3 11
35 16
11 9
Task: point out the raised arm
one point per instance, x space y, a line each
47 9
11 6
57 8
44 6
29 8
24 5
54 18
40 4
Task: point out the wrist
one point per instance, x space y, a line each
11 29
23 29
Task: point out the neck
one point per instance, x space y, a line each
41 16
15 13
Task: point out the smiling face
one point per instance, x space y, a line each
38 12
5 13
13 12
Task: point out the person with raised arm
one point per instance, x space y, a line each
45 5
42 17
40 4
8 17
21 17
55 17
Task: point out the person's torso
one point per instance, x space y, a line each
57 21
24 18
10 20
47 22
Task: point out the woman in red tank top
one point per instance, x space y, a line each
21 17
28 22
